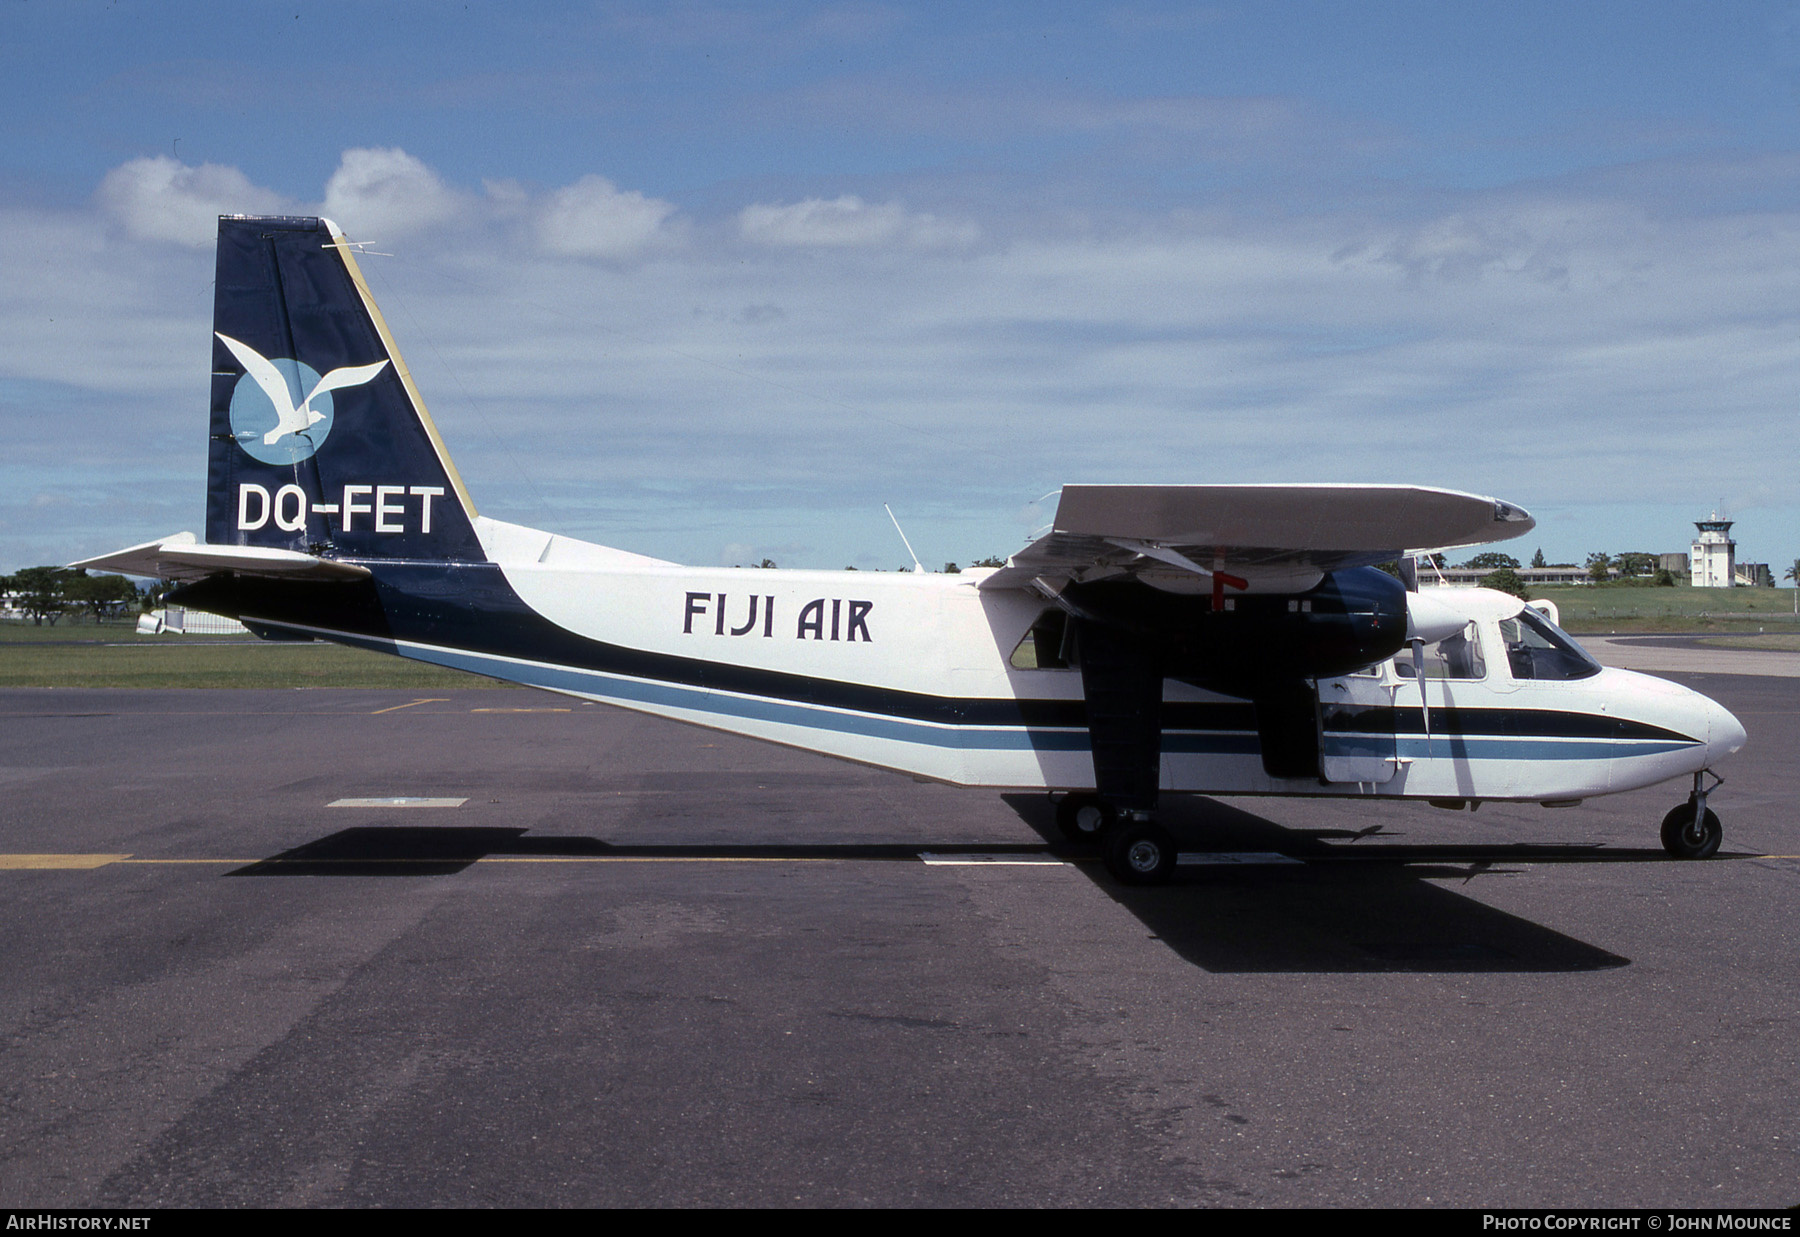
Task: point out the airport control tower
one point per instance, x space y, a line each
1714 555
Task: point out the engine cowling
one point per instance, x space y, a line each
1350 620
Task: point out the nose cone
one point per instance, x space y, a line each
1724 733
1674 707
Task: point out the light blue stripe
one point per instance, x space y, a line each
1538 747
754 708
1007 738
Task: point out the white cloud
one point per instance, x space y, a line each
383 192
1535 343
593 218
849 222
506 198
163 199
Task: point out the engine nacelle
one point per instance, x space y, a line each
1350 620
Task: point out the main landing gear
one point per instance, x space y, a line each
1085 818
1692 831
1136 850
1140 852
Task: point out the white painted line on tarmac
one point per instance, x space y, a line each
397 801
971 861
1193 859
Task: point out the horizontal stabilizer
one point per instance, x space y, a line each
1274 536
181 557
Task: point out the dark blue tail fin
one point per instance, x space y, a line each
319 442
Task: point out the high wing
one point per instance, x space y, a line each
1254 538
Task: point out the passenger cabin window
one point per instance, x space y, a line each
1453 657
1538 649
1044 646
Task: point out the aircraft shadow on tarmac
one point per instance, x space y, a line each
1339 910
408 850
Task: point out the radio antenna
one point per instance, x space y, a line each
917 565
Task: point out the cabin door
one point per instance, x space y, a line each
1357 729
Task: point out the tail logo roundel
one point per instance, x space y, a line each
281 410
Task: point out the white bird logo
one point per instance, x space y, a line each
291 418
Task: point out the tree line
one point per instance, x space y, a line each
1626 565
42 593
1503 569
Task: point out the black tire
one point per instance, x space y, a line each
1680 838
1084 818
1140 853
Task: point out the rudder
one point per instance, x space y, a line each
319 442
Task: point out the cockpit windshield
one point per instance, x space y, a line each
1536 648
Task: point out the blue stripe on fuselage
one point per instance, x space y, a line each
652 693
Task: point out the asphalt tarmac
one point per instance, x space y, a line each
636 963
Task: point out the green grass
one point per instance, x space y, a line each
1630 608
19 631
1778 642
114 655
81 653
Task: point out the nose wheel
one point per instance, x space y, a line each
1692 831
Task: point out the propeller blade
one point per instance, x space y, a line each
1418 648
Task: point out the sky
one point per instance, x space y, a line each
714 282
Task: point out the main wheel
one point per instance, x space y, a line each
1140 853
1084 818
1681 838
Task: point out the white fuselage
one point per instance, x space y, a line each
914 672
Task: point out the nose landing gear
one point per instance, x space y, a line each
1692 830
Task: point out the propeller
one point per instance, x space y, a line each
1409 576
1428 620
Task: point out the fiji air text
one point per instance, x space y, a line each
822 618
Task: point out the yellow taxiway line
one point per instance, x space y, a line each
409 704
23 862
89 862
85 862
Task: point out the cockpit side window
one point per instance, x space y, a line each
1045 645
1537 649
1453 657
